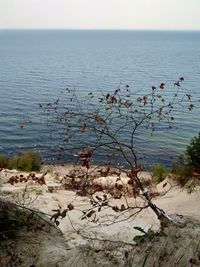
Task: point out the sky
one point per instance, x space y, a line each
100 14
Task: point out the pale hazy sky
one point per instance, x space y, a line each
100 14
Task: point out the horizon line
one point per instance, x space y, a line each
97 29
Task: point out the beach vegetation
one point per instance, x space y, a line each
12 162
182 170
159 172
193 152
187 167
150 235
25 161
3 161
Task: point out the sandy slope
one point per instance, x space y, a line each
175 200
72 250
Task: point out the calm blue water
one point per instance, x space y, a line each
36 65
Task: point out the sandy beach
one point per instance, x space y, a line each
111 225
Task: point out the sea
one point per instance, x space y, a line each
36 65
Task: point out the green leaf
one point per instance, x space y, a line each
139 229
138 239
